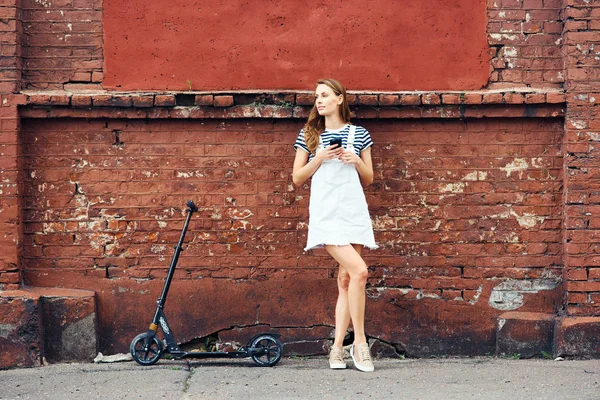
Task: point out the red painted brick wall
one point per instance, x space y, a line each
9 200
10 82
458 207
468 212
525 38
582 227
62 42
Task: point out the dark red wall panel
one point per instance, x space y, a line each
241 44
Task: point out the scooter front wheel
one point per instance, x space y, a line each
273 350
145 350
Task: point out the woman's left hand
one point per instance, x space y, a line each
348 157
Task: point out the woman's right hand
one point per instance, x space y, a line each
329 153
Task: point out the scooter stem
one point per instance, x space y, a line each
191 208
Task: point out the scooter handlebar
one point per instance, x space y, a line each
191 206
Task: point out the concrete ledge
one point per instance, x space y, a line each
70 324
518 102
53 323
578 336
142 99
21 341
525 333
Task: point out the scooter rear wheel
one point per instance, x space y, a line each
274 350
144 352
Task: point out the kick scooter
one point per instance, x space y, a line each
146 348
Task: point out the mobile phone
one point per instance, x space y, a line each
337 142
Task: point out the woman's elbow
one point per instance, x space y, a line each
296 180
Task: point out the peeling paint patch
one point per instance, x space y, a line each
99 240
193 174
517 165
236 214
376 292
513 238
422 295
509 294
158 248
498 36
458 187
527 220
593 136
472 176
510 51
476 297
475 176
383 222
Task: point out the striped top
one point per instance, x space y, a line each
362 139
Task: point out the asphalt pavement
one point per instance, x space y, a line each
309 378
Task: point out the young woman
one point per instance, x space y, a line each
339 218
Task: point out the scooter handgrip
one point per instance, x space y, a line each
192 207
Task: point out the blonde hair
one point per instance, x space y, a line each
315 125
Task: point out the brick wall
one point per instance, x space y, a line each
477 205
62 43
10 75
458 207
460 203
525 38
478 199
582 162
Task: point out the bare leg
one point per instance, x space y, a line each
342 310
351 261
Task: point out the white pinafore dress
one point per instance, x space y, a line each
338 211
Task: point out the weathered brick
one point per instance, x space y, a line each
305 99
143 100
513 98
102 100
594 273
492 98
60 100
164 100
410 99
368 100
39 99
223 101
97 76
451 98
78 100
472 98
81 77
204 100
577 274
554 98
389 100
430 98
535 98
575 298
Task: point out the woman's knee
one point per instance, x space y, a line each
360 275
343 281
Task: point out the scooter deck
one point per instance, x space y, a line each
210 354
